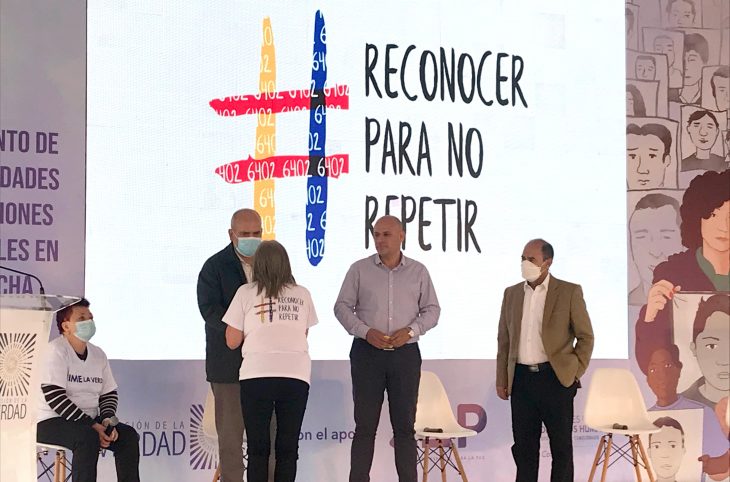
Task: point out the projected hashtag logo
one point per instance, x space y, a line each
265 166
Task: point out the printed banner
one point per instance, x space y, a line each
42 146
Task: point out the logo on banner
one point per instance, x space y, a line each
203 447
266 165
16 357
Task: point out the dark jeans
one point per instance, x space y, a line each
260 397
84 443
373 372
229 426
537 398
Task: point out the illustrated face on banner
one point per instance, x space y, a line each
645 68
703 132
712 349
666 450
629 103
663 374
720 84
665 45
693 63
680 13
715 228
647 157
654 235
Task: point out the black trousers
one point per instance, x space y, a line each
84 443
373 372
539 398
260 397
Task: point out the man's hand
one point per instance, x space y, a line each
378 339
717 466
104 439
400 337
502 393
659 293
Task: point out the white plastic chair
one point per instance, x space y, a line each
614 398
435 422
61 466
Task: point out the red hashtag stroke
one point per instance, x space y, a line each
337 97
248 170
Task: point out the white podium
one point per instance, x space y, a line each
25 322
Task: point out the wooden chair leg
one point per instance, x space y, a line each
60 463
607 456
217 473
646 461
458 460
442 460
634 459
426 458
599 450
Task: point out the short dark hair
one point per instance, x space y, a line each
691 4
657 200
654 347
65 313
705 309
639 106
699 114
668 422
698 43
546 249
705 193
722 71
271 268
652 129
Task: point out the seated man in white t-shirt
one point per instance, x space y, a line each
78 400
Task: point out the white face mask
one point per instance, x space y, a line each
530 272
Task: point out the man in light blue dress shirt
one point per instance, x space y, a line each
387 301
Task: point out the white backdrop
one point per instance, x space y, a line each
157 210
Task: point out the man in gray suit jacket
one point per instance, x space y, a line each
545 342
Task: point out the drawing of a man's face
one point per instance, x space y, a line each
646 161
629 104
666 450
703 132
693 64
654 236
715 229
722 92
663 374
665 45
645 68
680 14
712 349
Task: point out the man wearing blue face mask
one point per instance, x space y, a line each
545 341
78 400
219 279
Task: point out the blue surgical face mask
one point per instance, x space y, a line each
247 246
85 330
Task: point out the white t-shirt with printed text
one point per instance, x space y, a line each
84 380
274 330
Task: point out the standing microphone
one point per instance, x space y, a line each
40 283
110 423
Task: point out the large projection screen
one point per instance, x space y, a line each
487 123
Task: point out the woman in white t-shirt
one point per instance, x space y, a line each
78 400
269 320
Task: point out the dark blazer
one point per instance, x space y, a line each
567 335
218 281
